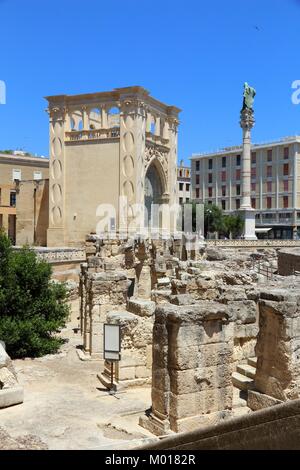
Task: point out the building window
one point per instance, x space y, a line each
16 175
223 190
253 187
210 177
285 169
285 201
210 164
269 203
238 174
269 156
181 200
37 175
223 204
197 193
223 162
269 171
223 175
285 185
187 200
238 160
253 157
286 152
180 173
209 192
238 189
187 187
180 186
269 186
12 201
197 179
253 172
187 173
237 203
253 202
197 166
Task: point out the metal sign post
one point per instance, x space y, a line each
112 349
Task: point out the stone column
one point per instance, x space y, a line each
85 119
56 230
148 123
157 126
104 123
247 122
192 367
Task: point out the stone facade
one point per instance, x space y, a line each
124 133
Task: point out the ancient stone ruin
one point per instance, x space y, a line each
11 393
212 333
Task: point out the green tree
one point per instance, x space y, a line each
213 219
233 225
32 307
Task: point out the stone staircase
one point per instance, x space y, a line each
243 378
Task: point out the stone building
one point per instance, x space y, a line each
111 153
16 172
275 189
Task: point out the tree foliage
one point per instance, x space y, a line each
32 307
215 220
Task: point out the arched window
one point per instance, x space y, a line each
95 118
113 117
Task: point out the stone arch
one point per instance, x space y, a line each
154 189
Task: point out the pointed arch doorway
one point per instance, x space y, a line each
153 197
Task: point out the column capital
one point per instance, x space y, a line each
247 120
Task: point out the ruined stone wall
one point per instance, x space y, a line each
192 366
278 342
276 428
288 261
135 367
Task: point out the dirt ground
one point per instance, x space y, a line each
66 407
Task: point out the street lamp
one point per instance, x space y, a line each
209 212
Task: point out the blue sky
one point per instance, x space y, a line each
193 54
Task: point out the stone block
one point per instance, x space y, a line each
141 307
243 312
195 380
200 356
126 373
200 403
257 401
11 396
142 372
245 331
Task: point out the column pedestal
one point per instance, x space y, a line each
249 224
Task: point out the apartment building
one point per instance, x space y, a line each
275 184
16 171
183 183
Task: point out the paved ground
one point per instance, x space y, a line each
66 407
